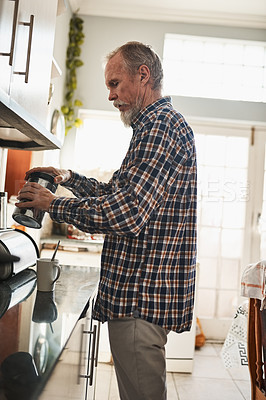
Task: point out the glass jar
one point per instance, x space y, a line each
31 217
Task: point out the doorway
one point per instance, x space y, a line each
230 189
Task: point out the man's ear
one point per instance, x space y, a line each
144 74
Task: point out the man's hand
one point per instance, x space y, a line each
39 197
60 175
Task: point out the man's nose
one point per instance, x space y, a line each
112 96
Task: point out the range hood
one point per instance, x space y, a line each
19 130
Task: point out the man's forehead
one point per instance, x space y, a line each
114 68
115 63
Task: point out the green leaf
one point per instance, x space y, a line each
78 20
67 128
69 95
70 117
78 122
69 64
72 73
78 63
76 51
78 103
64 110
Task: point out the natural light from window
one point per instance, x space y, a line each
214 68
101 142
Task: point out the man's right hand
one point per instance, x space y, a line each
60 175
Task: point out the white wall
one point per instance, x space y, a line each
103 34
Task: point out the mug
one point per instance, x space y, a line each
48 272
45 309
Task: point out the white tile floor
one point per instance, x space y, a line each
208 381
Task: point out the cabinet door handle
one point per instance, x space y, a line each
80 353
30 25
97 345
13 36
91 356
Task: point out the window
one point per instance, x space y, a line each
214 68
101 143
223 198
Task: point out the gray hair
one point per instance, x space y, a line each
136 54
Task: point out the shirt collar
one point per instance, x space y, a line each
150 108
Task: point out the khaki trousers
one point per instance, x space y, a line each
138 352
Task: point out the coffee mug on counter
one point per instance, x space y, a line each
48 271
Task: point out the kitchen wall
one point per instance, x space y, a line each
103 34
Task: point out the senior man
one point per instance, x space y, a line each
148 215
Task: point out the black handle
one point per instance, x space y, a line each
97 344
5 258
91 356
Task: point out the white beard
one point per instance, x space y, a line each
127 117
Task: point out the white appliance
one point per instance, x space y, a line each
180 349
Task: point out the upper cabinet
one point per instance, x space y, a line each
8 22
33 54
27 29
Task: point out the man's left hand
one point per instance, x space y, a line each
38 197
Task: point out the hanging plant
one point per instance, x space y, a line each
73 61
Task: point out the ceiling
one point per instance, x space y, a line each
242 13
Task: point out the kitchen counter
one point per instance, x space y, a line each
94 245
34 332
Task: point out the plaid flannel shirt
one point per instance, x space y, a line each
148 215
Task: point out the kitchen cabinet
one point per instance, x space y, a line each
27 29
53 331
33 54
8 21
74 376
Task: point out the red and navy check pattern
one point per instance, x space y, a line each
148 215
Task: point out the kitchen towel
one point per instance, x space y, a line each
253 282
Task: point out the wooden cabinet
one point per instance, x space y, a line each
74 375
18 162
